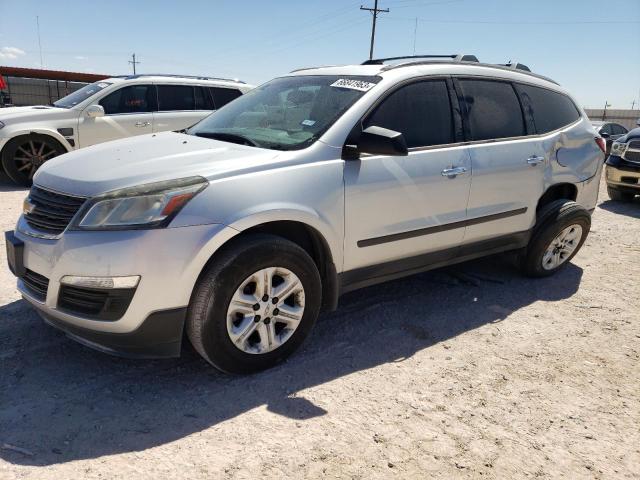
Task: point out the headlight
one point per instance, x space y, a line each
147 206
618 148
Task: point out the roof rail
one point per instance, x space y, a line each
457 57
514 66
170 75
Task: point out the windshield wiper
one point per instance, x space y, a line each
228 137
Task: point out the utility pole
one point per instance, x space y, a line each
133 62
604 114
415 34
375 11
39 42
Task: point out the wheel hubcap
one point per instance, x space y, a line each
562 247
31 155
265 310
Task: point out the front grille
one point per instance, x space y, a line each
632 156
635 145
96 303
51 211
36 284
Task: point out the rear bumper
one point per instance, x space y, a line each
158 336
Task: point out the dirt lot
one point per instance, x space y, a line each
469 372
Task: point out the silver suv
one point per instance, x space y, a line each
241 230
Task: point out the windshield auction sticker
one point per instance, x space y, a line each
353 84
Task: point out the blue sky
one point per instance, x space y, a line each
592 47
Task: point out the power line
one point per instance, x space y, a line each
134 62
375 10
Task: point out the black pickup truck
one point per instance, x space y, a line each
623 167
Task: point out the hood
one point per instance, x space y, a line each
630 135
146 159
36 112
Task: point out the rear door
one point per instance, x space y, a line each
180 106
508 166
128 112
401 207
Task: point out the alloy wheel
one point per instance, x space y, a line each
31 155
562 247
265 310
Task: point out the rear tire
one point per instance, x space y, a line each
618 196
231 338
560 231
23 155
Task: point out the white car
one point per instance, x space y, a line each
110 109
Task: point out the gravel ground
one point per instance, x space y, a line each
467 372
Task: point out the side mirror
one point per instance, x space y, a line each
638 122
94 111
382 141
605 135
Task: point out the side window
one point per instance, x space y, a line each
618 129
132 99
550 110
607 129
493 109
203 99
420 111
175 97
222 96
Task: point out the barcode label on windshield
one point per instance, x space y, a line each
353 84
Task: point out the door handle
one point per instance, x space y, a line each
535 160
453 171
143 124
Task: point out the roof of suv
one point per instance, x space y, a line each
167 78
431 64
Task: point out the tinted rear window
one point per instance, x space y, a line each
550 110
222 96
175 97
420 111
493 109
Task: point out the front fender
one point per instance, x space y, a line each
11 134
293 213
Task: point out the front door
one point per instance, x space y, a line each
128 112
402 207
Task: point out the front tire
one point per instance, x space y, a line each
254 304
561 229
23 155
618 196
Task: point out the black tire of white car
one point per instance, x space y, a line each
552 220
618 196
207 317
23 155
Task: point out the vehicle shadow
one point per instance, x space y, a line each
7 185
60 401
630 209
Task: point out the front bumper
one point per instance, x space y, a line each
623 176
167 260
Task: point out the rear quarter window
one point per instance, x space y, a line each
550 110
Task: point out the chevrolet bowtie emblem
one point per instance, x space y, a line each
27 206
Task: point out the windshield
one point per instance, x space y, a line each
287 113
81 95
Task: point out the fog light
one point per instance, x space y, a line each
101 282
